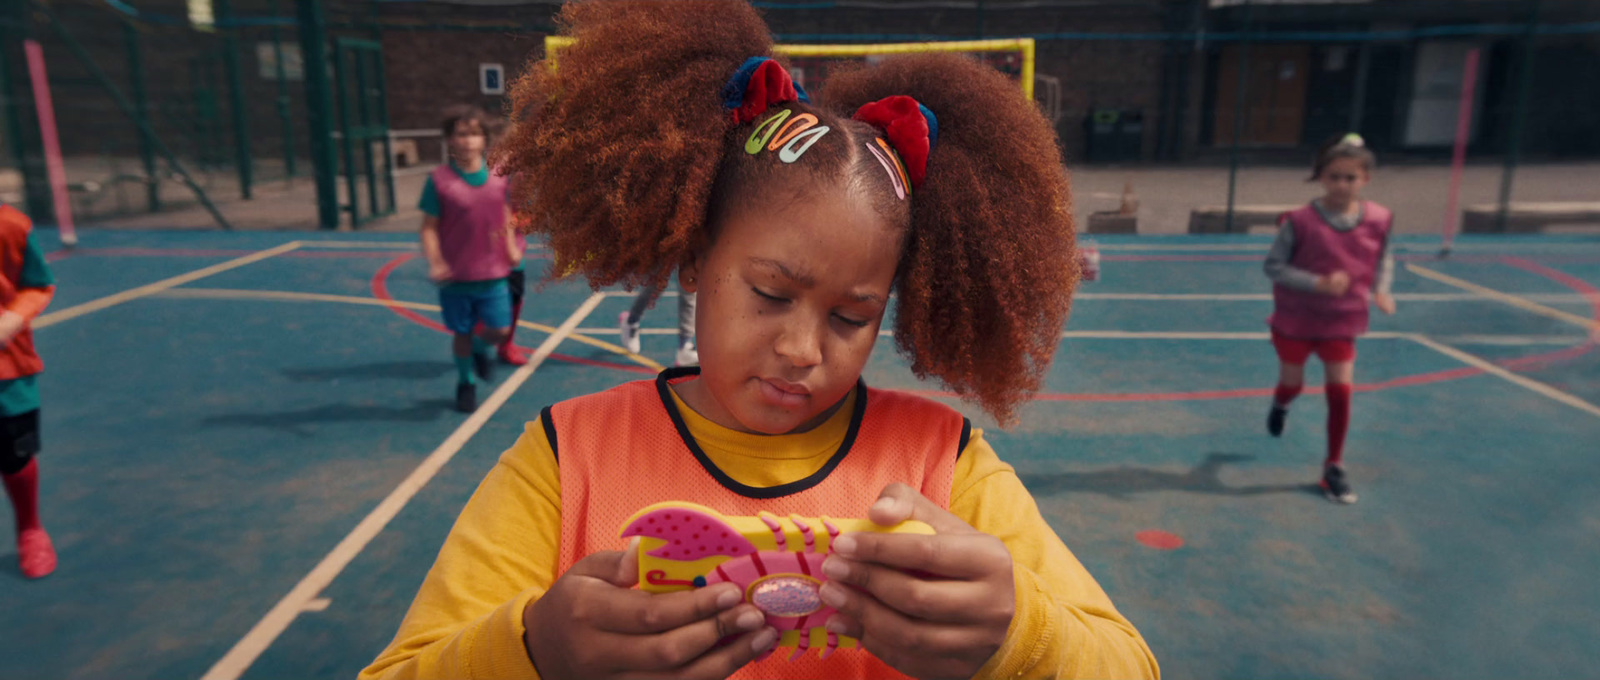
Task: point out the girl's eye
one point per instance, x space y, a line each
852 322
768 298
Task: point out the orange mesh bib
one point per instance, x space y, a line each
627 448
17 358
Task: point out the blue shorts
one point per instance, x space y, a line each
465 305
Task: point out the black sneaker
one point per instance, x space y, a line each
1275 420
482 366
1335 488
466 397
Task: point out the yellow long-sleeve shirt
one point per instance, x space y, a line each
466 621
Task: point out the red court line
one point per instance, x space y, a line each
380 290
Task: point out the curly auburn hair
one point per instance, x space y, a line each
636 163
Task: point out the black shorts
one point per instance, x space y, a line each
19 440
517 281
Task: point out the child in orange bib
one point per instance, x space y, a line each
665 139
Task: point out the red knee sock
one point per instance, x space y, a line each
516 313
1285 394
23 488
1338 421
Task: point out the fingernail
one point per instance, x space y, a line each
763 640
832 594
749 621
728 599
835 626
845 545
884 504
835 568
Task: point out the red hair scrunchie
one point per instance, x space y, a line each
910 127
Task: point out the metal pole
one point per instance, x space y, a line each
1241 93
342 79
127 109
241 125
319 111
388 150
141 106
283 95
1358 98
1519 117
364 116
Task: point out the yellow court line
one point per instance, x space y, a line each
1525 382
291 296
1513 300
159 286
301 598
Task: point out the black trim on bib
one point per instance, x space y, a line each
549 423
730 483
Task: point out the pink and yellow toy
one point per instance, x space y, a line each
778 562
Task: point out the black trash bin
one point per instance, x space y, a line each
1114 135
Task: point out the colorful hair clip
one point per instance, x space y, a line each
801 143
765 131
896 177
791 129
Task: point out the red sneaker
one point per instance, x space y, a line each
513 355
37 554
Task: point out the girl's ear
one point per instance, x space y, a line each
689 275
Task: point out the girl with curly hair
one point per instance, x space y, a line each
667 138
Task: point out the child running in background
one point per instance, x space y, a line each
628 324
668 139
471 249
26 287
1331 259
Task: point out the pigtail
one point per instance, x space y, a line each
989 267
622 139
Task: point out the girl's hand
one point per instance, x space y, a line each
931 606
592 624
11 324
1385 302
1334 284
438 272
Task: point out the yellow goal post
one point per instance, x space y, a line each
1012 56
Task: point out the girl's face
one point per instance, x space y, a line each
791 296
1343 179
466 140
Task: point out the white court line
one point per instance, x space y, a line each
1263 246
1584 322
382 245
1492 340
1548 298
1484 365
115 299
261 636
